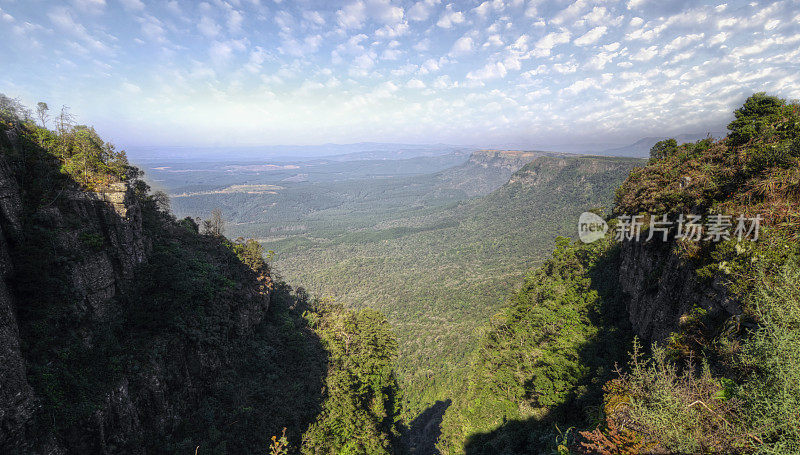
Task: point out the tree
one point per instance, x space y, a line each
754 117
64 121
161 199
361 412
41 112
214 226
663 149
251 253
14 108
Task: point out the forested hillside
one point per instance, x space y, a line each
715 366
440 273
124 330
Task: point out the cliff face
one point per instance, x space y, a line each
17 402
96 277
486 171
661 288
157 380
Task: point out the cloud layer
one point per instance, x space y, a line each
488 73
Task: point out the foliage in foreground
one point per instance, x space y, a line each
541 365
663 406
360 414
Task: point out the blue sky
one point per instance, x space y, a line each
487 73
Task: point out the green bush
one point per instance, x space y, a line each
663 149
360 415
755 118
772 391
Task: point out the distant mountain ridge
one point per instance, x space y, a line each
487 170
339 152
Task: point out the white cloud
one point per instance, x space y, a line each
221 52
462 46
62 18
152 28
444 82
131 88
391 54
415 83
633 4
174 8
682 41
301 48
719 38
132 5
599 15
450 18
565 68
493 41
421 10
235 19
531 10
313 17
5 16
383 11
285 21
352 15
422 45
543 47
91 6
362 64
591 36
771 25
257 57
494 70
645 54
581 85
392 31
208 27
570 12
488 6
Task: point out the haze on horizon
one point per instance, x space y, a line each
268 72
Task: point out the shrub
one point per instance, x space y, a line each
772 355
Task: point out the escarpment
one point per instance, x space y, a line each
120 328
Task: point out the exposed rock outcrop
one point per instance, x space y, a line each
17 402
486 171
661 288
100 244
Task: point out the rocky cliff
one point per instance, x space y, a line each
486 170
121 330
17 401
96 276
662 289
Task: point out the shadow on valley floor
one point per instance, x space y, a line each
425 429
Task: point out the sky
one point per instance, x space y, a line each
486 73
